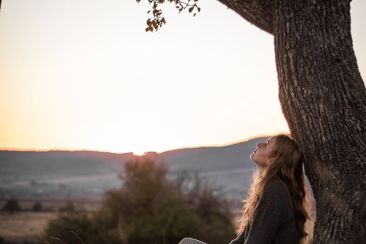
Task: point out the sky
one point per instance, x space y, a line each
84 75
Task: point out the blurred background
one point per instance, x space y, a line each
84 89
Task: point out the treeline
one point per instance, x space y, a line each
12 205
148 208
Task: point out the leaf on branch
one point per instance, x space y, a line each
148 22
158 20
155 24
149 29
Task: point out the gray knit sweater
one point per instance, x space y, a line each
274 221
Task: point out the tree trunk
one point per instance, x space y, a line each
323 99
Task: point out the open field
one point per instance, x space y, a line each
23 225
28 225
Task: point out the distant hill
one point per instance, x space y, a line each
90 173
58 173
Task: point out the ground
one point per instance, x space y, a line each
23 225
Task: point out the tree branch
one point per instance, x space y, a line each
257 12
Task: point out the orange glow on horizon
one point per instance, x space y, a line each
138 153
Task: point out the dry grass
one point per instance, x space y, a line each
24 225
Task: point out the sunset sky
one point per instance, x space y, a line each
84 74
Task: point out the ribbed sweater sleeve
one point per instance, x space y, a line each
268 216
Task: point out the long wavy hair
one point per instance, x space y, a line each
285 162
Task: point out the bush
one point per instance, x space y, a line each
214 211
147 209
37 206
69 207
75 227
150 208
12 205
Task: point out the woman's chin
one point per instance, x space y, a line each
252 156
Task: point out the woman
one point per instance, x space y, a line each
277 205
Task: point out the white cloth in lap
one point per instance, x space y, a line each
188 240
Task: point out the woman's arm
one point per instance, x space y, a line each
240 239
268 216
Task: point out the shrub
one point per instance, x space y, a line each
214 211
69 207
37 206
12 205
147 208
150 208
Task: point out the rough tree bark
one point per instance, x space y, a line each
323 99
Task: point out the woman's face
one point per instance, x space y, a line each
261 153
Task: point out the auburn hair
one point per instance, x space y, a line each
285 162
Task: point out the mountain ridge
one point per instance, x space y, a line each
91 173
